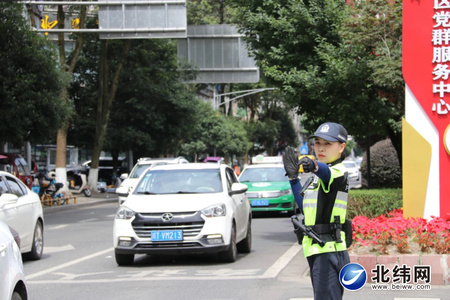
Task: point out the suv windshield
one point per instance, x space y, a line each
349 164
263 175
180 181
138 170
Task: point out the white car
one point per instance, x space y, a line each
353 171
184 208
21 209
130 181
12 279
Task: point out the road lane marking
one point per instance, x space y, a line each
73 262
282 262
57 227
58 249
272 272
88 220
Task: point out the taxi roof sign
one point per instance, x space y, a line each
261 159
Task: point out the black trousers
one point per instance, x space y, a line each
324 269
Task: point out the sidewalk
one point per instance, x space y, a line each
79 201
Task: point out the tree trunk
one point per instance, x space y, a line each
104 104
230 104
61 140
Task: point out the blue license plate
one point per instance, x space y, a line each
260 202
167 235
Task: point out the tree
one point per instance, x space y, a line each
303 49
373 30
66 66
152 111
30 81
207 12
222 135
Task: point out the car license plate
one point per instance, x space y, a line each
167 235
260 202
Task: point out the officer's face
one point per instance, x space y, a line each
326 151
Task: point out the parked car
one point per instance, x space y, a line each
214 159
269 189
21 209
130 181
16 165
352 168
106 170
12 278
184 208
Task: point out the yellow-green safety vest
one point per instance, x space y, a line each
310 201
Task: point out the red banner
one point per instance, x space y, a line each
426 69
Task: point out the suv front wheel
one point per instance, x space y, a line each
124 259
230 254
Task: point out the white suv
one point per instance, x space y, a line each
21 209
130 181
184 208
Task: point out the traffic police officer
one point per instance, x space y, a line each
324 205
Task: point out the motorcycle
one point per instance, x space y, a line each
49 190
78 184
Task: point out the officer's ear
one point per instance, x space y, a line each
342 147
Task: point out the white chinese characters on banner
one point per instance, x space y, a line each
441 4
441 108
441 71
441 55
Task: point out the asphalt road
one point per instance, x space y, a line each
78 263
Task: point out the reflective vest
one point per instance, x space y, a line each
332 201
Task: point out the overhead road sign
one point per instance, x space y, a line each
129 19
163 19
219 53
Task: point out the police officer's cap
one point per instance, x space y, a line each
332 132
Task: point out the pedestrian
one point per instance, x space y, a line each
324 207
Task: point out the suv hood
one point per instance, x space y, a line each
172 202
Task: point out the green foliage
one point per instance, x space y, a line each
193 148
152 112
319 53
221 134
31 107
208 12
373 202
384 166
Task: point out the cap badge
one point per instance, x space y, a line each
325 128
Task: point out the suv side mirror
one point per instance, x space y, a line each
238 188
124 176
7 198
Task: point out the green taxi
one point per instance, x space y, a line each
269 189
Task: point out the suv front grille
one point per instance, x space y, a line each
190 223
166 245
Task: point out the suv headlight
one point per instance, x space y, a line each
218 210
124 213
285 192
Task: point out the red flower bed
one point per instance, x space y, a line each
392 233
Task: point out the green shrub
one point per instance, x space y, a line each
373 202
385 169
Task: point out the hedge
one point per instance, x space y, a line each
373 202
